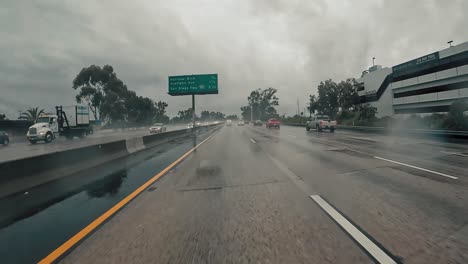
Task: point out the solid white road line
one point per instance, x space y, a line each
365 242
253 141
414 167
455 153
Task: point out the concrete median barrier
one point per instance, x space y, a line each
152 140
134 144
23 174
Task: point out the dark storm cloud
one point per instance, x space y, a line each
288 44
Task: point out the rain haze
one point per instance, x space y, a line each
103 159
288 45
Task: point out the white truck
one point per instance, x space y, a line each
321 122
68 121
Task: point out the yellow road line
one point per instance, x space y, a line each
98 221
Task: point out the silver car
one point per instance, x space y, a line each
157 128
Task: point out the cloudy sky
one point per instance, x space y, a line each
291 45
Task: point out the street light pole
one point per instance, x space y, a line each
251 113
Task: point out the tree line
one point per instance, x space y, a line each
205 115
110 100
333 97
261 104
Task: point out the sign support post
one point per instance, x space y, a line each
192 85
193 112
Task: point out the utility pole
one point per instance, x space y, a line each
297 113
251 113
310 109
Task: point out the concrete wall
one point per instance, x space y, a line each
424 85
384 104
23 174
445 98
373 80
432 97
445 77
453 50
454 75
462 70
446 74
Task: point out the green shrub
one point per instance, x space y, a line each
435 121
456 116
345 117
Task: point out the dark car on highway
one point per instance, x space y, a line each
4 138
258 123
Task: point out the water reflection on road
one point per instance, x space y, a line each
108 185
35 223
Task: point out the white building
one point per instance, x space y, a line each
424 85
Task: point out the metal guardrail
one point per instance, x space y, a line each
432 132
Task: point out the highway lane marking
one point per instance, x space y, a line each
455 153
255 142
375 251
57 253
293 136
419 168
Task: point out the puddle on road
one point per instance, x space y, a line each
25 205
207 168
109 185
351 152
206 175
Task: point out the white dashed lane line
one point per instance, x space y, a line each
455 153
367 244
418 168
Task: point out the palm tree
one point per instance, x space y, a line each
32 114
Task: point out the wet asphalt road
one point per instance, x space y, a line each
243 197
34 223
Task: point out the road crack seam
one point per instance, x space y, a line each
227 186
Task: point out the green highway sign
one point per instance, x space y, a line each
193 84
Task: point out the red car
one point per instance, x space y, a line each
273 123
